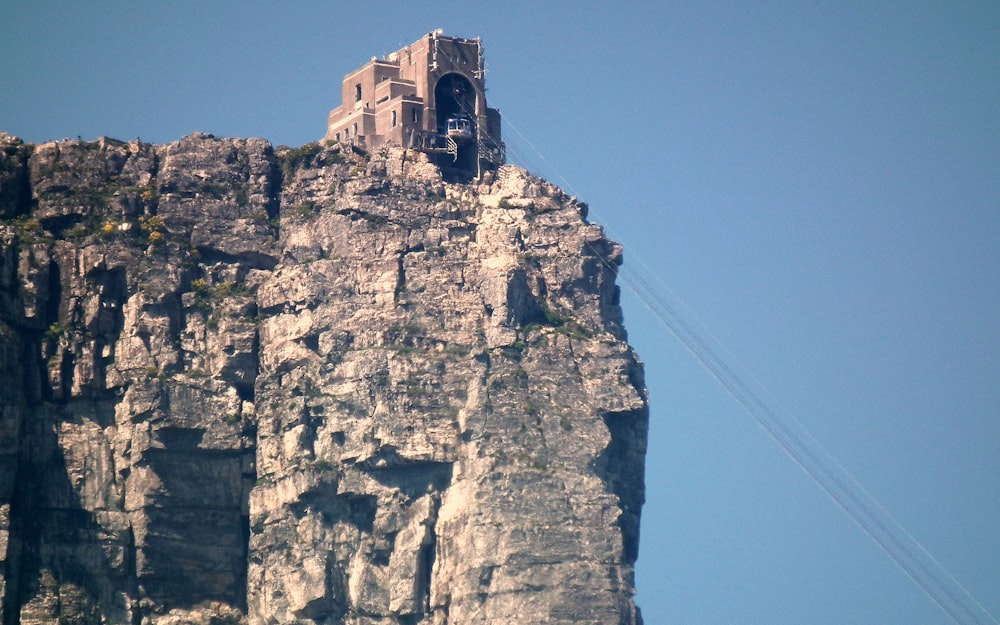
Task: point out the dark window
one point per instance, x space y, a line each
357 92
394 119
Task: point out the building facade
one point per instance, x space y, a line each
430 96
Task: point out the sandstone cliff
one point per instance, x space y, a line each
247 385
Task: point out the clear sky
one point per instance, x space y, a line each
818 182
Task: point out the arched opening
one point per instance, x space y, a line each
454 98
455 104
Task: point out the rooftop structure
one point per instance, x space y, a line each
429 96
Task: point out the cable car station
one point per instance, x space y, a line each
429 96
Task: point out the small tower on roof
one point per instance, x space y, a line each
429 96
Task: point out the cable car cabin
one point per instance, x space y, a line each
460 129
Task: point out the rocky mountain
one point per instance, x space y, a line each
241 384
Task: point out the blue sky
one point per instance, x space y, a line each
818 183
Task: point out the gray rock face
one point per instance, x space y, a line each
240 385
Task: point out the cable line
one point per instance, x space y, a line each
794 439
840 491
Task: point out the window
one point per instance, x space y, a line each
394 119
416 115
338 137
357 92
355 129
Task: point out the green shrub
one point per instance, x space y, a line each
213 189
149 194
54 333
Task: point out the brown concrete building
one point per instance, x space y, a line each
429 96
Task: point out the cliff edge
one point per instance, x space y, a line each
241 384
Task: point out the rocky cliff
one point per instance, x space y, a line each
248 385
